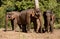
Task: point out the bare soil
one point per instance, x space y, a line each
33 35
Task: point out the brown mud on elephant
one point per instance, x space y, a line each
14 18
49 19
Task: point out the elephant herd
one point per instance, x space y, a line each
24 18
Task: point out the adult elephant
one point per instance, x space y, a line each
49 19
31 15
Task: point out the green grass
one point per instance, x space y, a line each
57 26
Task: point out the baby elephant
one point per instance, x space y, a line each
49 19
14 18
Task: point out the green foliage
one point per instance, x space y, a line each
57 26
19 5
10 5
48 4
2 16
23 5
57 10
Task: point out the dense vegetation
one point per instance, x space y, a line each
19 5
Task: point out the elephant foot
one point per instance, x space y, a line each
40 31
37 32
14 30
29 32
5 30
48 31
51 31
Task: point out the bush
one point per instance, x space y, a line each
19 5
57 26
2 17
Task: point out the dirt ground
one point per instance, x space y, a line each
33 35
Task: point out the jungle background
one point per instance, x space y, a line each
19 5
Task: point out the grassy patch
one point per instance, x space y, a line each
57 26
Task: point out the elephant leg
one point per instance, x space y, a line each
45 27
28 28
35 25
6 23
12 23
38 25
20 26
51 26
15 24
28 22
48 25
41 24
24 28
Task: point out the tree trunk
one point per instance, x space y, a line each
36 4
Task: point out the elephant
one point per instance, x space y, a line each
49 19
31 15
14 18
24 18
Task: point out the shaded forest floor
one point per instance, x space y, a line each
33 35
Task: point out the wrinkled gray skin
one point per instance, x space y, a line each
49 19
24 18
